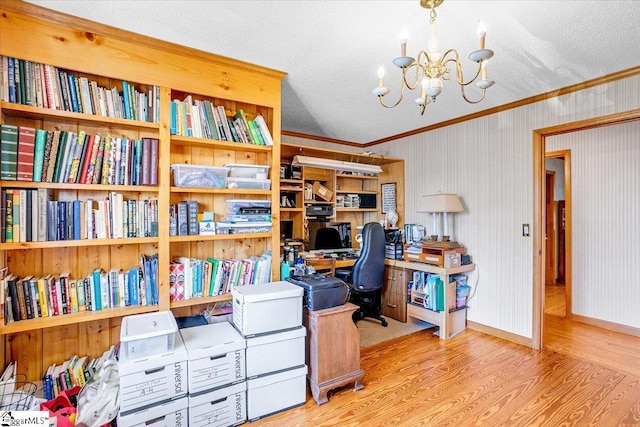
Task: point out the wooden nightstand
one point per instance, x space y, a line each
333 350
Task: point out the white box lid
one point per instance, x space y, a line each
140 364
211 340
266 291
280 336
147 325
210 395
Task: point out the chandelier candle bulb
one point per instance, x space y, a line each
380 75
482 33
404 37
483 70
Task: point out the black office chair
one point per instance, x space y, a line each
327 238
365 282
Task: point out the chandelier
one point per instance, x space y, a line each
431 67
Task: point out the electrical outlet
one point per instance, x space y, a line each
525 230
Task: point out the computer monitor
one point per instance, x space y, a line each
343 228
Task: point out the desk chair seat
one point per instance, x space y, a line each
367 274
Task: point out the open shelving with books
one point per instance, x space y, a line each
124 62
239 254
343 185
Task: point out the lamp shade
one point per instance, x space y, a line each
441 203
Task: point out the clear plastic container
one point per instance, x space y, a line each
249 183
260 172
199 176
147 334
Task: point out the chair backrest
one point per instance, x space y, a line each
328 238
368 271
323 265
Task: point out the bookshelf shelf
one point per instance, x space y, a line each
80 187
77 243
212 237
201 300
355 191
28 112
220 191
224 145
356 210
290 209
74 318
111 58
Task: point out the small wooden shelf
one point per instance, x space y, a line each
28 112
348 191
80 187
204 238
73 318
201 300
342 175
77 243
290 209
219 190
214 143
356 209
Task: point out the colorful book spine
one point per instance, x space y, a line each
8 152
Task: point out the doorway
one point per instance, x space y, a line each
539 154
557 299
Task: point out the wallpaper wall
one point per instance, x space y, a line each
488 162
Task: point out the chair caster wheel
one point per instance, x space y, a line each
385 323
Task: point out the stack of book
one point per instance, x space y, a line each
194 278
32 297
31 215
38 155
45 86
202 119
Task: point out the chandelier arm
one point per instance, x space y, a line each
464 95
404 76
397 102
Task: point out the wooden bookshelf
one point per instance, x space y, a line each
109 56
341 184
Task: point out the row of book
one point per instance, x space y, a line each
33 297
38 155
194 278
202 119
76 371
31 215
45 86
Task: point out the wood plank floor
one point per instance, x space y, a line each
475 379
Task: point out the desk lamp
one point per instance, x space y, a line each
440 203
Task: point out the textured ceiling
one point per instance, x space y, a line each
331 50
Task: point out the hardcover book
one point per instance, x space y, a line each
26 149
8 152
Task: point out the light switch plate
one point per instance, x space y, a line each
525 230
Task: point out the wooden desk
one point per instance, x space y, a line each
333 350
341 263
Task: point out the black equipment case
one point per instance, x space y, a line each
321 291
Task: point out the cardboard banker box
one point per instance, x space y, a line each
321 191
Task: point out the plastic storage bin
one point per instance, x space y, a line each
199 176
248 171
147 334
249 183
